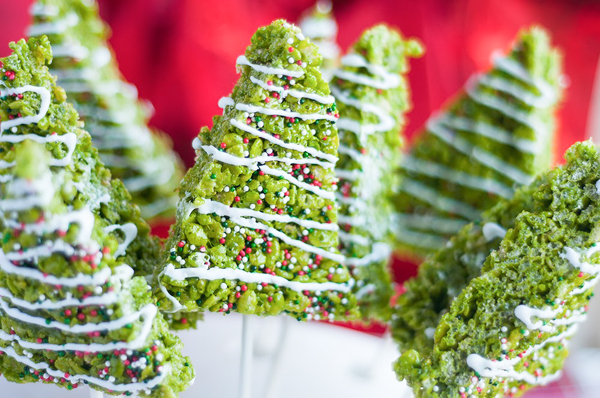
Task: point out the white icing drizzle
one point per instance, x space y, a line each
52 28
238 217
46 250
437 223
353 153
357 203
319 28
44 367
148 312
435 170
365 290
233 212
349 175
130 231
574 258
546 321
526 314
443 203
268 70
438 127
252 163
506 368
155 208
105 300
417 238
300 148
512 67
44 106
386 120
380 252
285 113
84 218
327 100
492 231
97 279
587 285
43 10
155 173
354 238
385 80
69 139
311 188
70 50
28 194
355 221
216 273
237 161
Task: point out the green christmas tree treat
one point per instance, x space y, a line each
443 275
256 228
319 25
117 120
493 138
372 95
508 329
71 310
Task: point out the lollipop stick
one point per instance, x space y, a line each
245 387
275 368
96 394
593 127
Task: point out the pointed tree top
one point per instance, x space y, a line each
385 46
282 45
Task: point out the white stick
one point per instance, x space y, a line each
245 387
276 368
593 125
96 394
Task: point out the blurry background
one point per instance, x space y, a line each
181 55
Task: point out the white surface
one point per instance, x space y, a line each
321 361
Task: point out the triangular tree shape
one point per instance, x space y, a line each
494 137
71 310
507 329
117 120
256 227
319 25
372 96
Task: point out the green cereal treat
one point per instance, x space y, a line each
256 228
117 120
506 330
72 310
444 274
318 24
493 138
372 95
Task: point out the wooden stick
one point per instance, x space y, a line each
245 387
276 368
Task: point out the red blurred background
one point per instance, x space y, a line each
181 53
